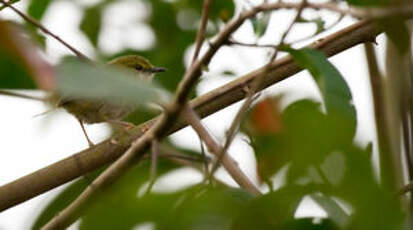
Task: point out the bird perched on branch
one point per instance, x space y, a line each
96 111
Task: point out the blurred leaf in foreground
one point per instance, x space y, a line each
274 210
120 207
21 66
209 208
77 80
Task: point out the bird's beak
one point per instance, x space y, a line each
157 69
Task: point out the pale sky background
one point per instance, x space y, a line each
30 143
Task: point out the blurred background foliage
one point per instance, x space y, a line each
312 141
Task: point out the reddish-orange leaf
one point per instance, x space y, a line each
266 117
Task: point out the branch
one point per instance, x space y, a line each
201 32
67 169
46 31
14 94
227 161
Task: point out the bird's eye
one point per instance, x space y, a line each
138 67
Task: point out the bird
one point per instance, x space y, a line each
89 111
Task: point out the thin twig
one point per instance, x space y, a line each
168 152
227 161
200 36
232 131
45 30
154 162
339 19
256 45
14 94
233 42
10 2
203 154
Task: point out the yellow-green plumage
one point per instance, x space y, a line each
96 111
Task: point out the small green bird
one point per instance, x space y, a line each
95 111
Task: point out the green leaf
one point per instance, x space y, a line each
368 200
334 89
310 224
397 31
272 210
335 213
122 194
369 2
209 208
260 24
37 8
63 199
222 10
319 22
91 23
306 124
119 206
77 79
13 73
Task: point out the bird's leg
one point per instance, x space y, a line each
84 132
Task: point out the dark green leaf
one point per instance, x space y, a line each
222 10
63 199
122 195
119 207
335 213
13 74
369 2
228 73
260 24
208 208
273 210
37 8
91 23
319 22
310 224
397 31
374 208
334 89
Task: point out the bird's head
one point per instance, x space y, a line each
138 64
